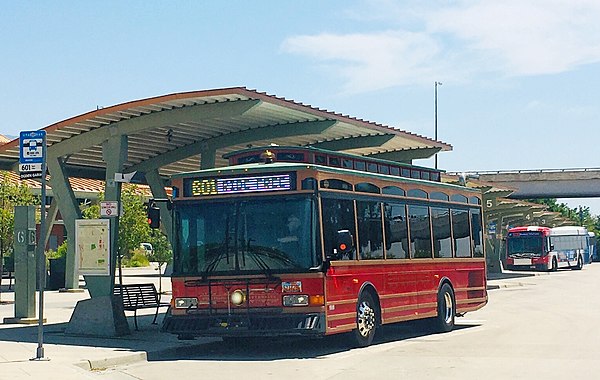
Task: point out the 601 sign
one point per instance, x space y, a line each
30 167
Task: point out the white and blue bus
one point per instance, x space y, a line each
571 245
543 248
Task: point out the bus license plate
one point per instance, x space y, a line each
522 261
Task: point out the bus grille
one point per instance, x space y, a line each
296 324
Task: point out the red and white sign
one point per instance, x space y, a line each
109 208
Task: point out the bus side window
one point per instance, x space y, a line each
396 231
420 231
338 214
370 231
461 233
477 233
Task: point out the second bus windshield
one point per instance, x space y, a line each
530 245
253 235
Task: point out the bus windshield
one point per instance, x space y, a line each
254 235
526 246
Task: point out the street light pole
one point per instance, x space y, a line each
435 117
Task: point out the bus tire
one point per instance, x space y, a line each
579 265
446 309
366 320
554 267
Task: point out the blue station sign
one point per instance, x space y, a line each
32 147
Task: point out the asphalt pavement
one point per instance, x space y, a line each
75 357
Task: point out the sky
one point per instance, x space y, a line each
520 79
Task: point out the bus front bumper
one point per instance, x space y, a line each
220 325
537 263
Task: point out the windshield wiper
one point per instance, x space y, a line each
224 252
258 260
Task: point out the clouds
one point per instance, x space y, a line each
370 61
526 37
459 41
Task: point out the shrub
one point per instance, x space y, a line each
138 259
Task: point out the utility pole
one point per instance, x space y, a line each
435 117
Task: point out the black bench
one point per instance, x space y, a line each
139 296
8 270
10 276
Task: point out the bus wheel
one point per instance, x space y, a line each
579 265
554 267
366 320
446 309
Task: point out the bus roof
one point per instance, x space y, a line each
326 151
244 169
569 230
545 230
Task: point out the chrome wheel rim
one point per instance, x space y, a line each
449 308
366 319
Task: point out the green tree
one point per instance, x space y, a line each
133 224
580 216
12 193
161 252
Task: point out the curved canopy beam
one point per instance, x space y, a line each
151 121
243 137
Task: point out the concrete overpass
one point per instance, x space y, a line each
545 183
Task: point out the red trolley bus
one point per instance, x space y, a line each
311 242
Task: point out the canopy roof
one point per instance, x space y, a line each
173 131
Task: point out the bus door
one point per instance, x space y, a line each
339 245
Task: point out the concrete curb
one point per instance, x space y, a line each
506 286
100 364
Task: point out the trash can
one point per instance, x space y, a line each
56 278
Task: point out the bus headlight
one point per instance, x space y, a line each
295 300
237 297
184 303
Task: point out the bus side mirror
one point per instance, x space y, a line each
153 216
344 244
552 247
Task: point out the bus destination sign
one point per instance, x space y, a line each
234 185
525 233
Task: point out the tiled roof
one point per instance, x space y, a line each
79 185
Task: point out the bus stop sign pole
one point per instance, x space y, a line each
33 151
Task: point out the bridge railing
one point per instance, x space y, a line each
525 171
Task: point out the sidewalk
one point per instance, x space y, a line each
510 279
72 357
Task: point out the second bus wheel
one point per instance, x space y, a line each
446 309
579 265
366 320
554 266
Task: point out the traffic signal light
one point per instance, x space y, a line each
153 216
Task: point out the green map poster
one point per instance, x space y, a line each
92 246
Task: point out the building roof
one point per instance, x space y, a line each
83 188
174 129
